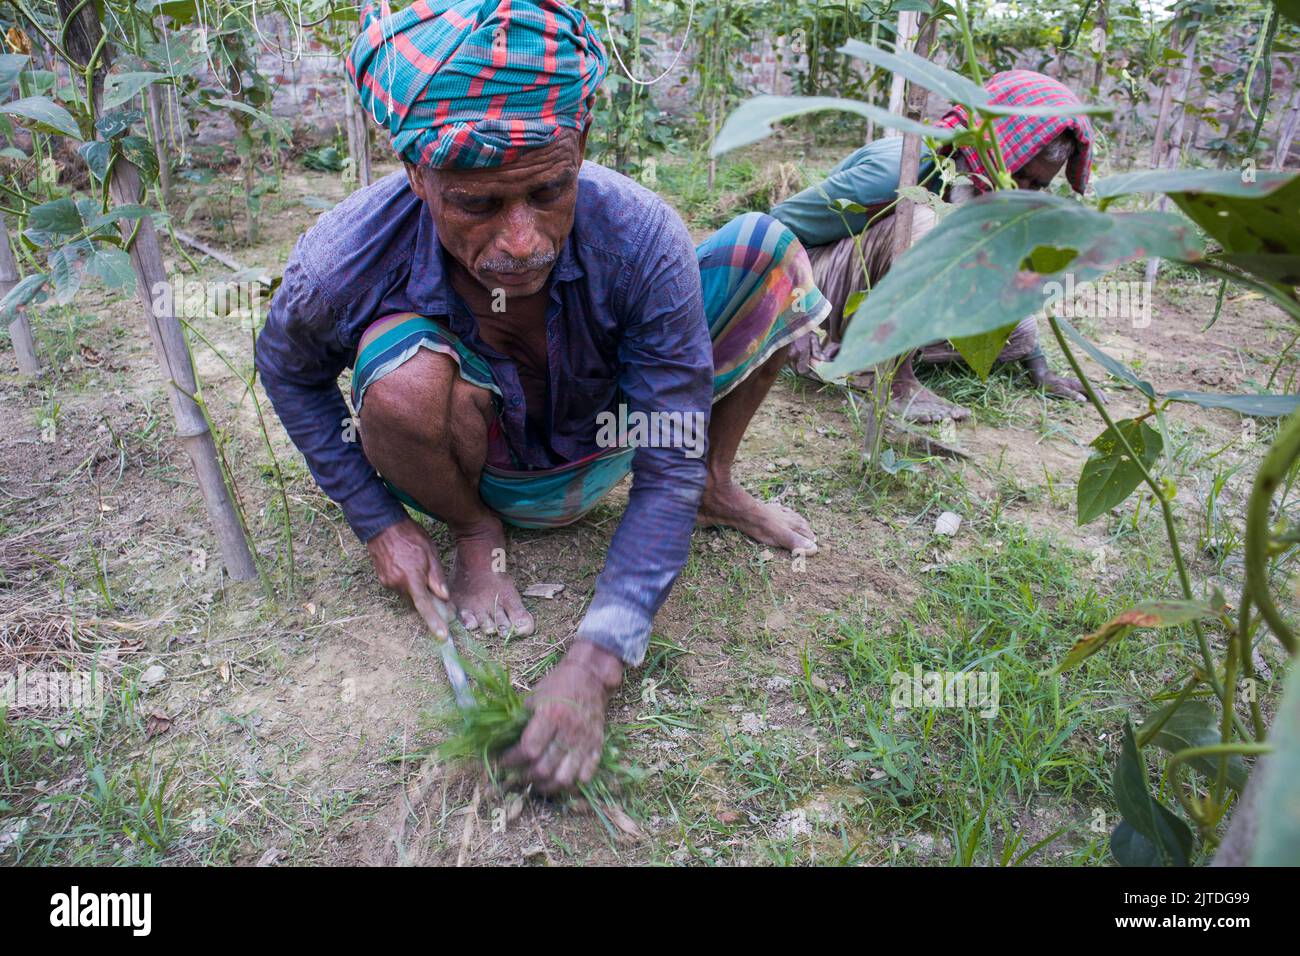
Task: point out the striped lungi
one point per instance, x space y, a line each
759 296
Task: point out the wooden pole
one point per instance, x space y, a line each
1163 155
160 143
1288 123
363 143
914 100
910 164
20 329
354 121
169 343
907 21
1100 35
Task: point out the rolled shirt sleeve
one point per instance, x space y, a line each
867 176
666 358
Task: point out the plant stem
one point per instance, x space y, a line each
1166 511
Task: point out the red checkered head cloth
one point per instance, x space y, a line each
1021 137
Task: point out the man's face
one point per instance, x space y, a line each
506 225
1039 172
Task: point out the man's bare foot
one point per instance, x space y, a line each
484 597
922 406
726 503
914 402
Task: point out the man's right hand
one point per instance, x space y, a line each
406 561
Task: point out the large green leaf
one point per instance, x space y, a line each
11 64
58 216
127 211
96 154
1278 840
1216 182
120 87
1148 816
1193 723
277 126
1131 848
113 266
1260 406
37 82
67 267
753 119
184 11
981 351
44 114
1110 474
966 275
138 151
1259 234
21 294
1257 220
952 86
114 124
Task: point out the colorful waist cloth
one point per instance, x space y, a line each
759 295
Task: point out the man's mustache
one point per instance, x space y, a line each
508 265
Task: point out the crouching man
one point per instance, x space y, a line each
501 302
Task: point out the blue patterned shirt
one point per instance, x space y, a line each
625 324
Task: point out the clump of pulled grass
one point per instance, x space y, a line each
494 721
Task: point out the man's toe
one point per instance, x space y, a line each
505 624
522 622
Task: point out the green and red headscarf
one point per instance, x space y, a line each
1021 137
471 83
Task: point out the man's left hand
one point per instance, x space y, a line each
562 744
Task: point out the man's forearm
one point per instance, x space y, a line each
321 427
649 550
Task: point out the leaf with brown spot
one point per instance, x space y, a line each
1256 221
1157 614
964 279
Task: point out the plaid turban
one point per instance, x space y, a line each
1021 137
470 83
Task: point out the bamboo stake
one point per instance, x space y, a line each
172 352
910 163
354 121
20 328
170 346
363 144
160 144
1162 155
1288 123
907 24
